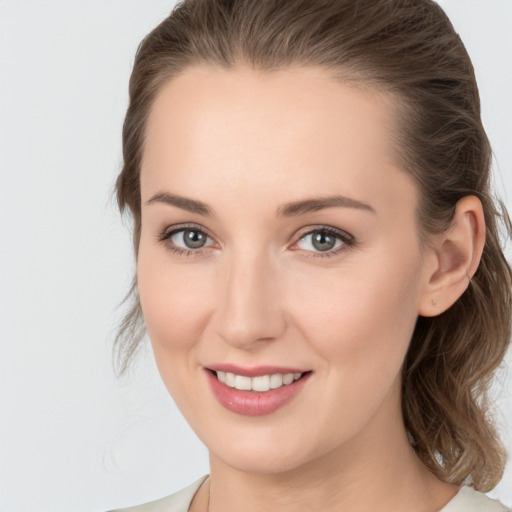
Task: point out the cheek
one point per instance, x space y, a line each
360 318
173 300
358 323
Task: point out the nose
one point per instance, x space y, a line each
250 310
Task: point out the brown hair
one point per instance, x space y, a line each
409 49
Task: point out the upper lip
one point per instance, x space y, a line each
254 371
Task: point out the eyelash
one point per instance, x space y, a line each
348 240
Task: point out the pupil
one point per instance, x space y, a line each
193 239
322 241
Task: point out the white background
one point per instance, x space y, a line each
72 437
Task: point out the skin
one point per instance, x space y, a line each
260 293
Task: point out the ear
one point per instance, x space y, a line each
455 258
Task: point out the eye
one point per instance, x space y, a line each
191 240
325 241
185 240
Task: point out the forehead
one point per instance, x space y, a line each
296 130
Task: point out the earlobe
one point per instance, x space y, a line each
456 257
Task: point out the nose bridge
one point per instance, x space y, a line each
249 309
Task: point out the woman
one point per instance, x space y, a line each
318 263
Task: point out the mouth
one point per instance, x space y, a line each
259 383
257 395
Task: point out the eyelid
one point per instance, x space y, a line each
176 228
346 237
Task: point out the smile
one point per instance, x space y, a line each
261 383
255 395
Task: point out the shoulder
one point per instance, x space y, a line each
177 502
469 500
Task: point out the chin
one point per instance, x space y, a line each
261 462
263 455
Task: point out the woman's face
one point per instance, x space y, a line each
278 236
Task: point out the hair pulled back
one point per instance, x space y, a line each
409 49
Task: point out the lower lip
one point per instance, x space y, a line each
254 403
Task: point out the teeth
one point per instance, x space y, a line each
243 383
287 378
261 383
230 380
276 381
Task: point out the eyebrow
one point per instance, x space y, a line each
292 209
320 203
185 203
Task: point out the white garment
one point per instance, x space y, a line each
466 500
469 500
177 502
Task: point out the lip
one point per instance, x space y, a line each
255 371
255 403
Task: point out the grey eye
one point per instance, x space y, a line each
189 239
321 240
